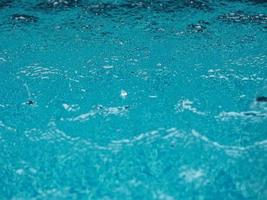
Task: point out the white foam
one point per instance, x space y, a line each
162 196
190 175
186 104
20 171
71 108
99 110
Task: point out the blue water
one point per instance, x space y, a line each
132 99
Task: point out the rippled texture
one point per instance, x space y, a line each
133 99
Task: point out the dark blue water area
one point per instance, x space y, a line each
133 99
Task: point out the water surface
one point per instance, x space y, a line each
133 99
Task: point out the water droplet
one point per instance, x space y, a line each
123 94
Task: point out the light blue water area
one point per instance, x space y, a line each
133 99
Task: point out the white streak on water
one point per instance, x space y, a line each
230 74
224 116
108 66
147 137
71 108
9 128
226 147
54 135
83 117
28 90
36 71
2 60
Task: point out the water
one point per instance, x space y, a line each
133 99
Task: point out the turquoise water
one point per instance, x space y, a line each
133 99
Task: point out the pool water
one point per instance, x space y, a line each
131 99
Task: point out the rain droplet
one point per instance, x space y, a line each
123 94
